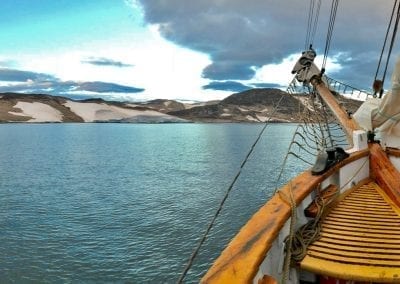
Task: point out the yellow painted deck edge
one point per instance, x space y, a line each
351 272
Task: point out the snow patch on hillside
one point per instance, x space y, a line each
91 112
38 111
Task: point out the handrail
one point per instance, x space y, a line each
386 175
240 261
343 88
393 152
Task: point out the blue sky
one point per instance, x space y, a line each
176 49
34 26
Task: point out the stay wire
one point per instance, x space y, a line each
386 37
214 218
396 25
309 23
316 18
312 22
329 34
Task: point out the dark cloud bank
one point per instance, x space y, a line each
31 82
227 86
240 35
101 61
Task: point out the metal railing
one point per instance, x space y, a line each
347 90
296 87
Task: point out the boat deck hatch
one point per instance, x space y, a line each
360 239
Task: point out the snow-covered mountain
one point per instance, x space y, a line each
45 108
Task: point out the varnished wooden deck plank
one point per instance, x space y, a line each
352 248
367 229
360 239
352 224
325 239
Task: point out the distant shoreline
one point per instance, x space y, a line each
251 106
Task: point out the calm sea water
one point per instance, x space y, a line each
126 203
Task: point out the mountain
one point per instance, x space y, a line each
45 108
255 105
164 106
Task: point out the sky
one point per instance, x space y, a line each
136 50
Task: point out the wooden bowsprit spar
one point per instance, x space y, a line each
347 123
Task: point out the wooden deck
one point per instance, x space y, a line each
241 260
360 238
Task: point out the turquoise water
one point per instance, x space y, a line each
126 202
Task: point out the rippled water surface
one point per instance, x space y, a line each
126 202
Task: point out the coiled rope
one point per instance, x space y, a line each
288 256
296 243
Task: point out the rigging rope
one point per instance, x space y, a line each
288 256
377 87
225 197
327 128
310 17
392 42
332 19
305 135
312 22
311 231
314 30
386 37
318 128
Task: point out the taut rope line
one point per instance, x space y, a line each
225 197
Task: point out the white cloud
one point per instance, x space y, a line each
162 68
281 73
166 70
9 83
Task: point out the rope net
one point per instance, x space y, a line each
319 129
